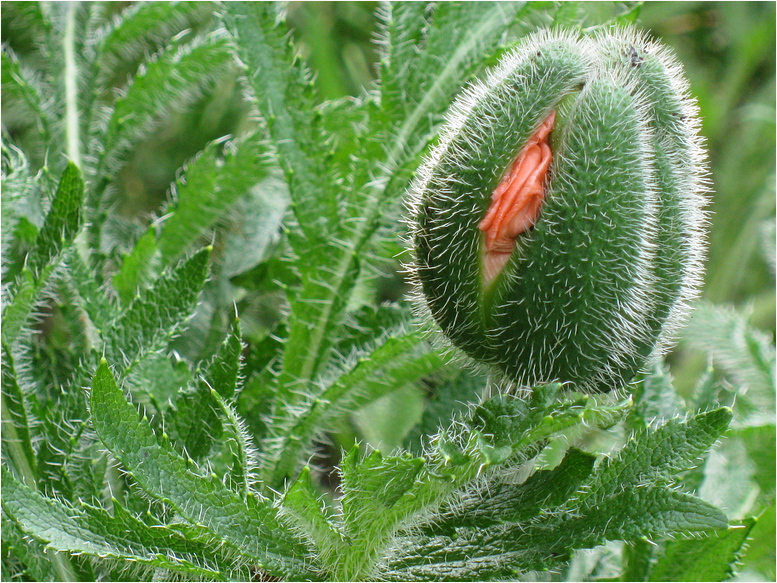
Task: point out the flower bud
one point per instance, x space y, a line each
557 224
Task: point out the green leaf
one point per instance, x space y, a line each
396 362
315 314
169 83
424 67
221 373
192 422
656 456
249 525
302 504
760 444
137 268
62 221
56 235
745 354
158 311
212 183
712 558
23 91
142 29
94 532
449 398
626 497
655 398
498 500
94 298
30 553
381 493
282 90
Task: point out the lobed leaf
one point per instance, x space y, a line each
212 184
745 354
157 312
169 83
396 362
712 558
137 268
23 91
282 92
626 497
17 444
59 228
249 525
92 531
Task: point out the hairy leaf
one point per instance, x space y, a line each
168 83
282 91
16 426
396 362
625 498
211 184
712 558
159 311
94 532
142 29
249 525
742 352
56 235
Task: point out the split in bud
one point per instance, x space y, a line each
557 226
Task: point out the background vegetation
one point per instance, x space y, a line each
728 50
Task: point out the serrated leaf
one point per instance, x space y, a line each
248 242
396 362
745 354
221 373
192 422
498 500
315 314
212 183
158 311
56 235
29 553
625 498
655 398
62 221
449 399
374 484
249 525
167 84
283 96
423 69
760 444
94 532
656 456
94 299
302 505
711 558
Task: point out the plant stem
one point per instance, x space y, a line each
71 87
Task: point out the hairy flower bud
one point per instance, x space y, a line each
557 226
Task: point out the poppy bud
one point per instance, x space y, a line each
557 224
